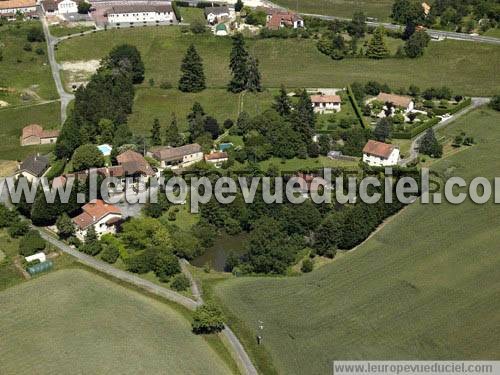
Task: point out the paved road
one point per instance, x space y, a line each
66 98
431 32
476 102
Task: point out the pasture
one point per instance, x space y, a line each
380 9
467 68
424 287
12 121
17 86
73 321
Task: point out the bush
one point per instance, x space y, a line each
180 283
495 103
39 51
91 248
197 27
31 243
18 229
110 254
27 47
207 319
35 34
307 265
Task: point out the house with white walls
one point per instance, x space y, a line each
380 154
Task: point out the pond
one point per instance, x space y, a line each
224 245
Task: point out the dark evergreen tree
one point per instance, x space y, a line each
357 26
282 103
303 119
410 29
211 126
429 145
172 136
193 77
238 63
238 6
253 78
415 45
377 49
383 129
156 133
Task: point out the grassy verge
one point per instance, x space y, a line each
61 30
402 293
380 9
467 68
12 120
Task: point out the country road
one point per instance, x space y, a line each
391 26
476 102
65 97
245 364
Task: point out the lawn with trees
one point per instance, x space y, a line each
418 277
100 314
465 67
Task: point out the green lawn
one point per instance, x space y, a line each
191 14
9 248
494 32
151 103
25 76
426 286
467 68
380 9
296 164
61 30
12 120
73 321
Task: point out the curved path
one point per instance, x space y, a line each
240 354
66 98
475 103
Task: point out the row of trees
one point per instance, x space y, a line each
244 69
102 106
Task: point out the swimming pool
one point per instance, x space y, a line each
105 149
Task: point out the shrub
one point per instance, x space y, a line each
18 229
27 47
207 319
31 243
39 51
307 265
110 254
197 27
166 85
180 283
495 103
91 248
35 34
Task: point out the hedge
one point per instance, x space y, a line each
442 111
175 8
416 130
356 107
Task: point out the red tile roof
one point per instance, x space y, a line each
93 212
216 155
133 163
325 99
380 149
37 131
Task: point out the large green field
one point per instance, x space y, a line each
73 321
12 121
380 9
467 68
425 286
25 76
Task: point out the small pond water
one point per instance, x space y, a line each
224 245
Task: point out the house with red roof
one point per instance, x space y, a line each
102 216
380 154
326 103
217 158
34 134
277 19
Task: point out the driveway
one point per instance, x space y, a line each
476 102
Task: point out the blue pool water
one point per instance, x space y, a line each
105 149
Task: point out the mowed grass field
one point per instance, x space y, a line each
151 103
12 121
425 286
380 9
73 321
25 76
467 68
